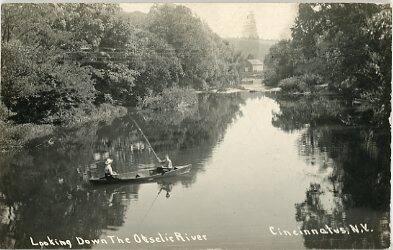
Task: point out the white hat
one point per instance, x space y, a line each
108 161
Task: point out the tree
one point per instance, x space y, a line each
45 91
81 55
202 54
346 46
279 63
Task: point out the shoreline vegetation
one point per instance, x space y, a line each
68 64
14 136
339 50
65 65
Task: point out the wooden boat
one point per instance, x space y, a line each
143 175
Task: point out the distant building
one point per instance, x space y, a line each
250 27
253 66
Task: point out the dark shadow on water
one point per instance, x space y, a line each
43 190
352 159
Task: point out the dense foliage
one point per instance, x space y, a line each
59 60
205 58
339 62
346 47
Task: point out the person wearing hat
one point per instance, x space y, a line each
109 173
166 163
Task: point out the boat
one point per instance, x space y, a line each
143 175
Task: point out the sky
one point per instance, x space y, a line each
273 20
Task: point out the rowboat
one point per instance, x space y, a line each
143 175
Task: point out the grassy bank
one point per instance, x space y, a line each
14 136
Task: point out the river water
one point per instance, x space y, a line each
260 166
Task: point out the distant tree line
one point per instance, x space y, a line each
342 48
58 60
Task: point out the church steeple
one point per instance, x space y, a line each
250 28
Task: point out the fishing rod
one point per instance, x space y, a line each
151 206
146 140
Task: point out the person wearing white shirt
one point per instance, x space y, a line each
167 163
109 173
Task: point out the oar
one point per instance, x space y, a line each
158 159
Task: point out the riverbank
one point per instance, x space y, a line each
329 160
245 87
180 101
14 136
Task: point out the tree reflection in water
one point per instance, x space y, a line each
43 191
351 160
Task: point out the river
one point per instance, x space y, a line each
260 166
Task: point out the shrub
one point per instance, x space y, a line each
311 80
292 84
269 77
303 83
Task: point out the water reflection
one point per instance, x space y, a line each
351 164
256 162
43 191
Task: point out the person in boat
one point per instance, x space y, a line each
109 173
166 164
